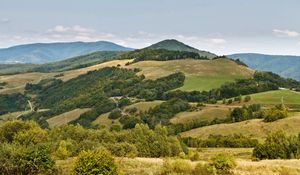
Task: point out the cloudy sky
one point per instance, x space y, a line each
220 26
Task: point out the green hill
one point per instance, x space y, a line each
68 64
39 53
172 44
275 97
287 66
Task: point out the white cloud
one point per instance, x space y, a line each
4 20
217 41
73 29
76 33
285 33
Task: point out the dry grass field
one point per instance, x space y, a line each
255 128
206 114
103 120
66 117
155 166
144 106
157 69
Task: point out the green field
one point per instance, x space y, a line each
206 83
274 97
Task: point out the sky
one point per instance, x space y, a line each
219 26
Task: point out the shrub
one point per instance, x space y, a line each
115 127
63 150
223 163
229 101
115 114
95 162
123 149
177 166
132 110
195 156
247 98
276 113
277 145
16 159
203 169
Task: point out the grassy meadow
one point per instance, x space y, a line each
156 166
255 128
205 114
206 83
274 97
66 117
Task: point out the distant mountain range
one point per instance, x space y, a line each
287 66
172 44
40 53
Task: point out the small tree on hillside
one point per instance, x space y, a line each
94 163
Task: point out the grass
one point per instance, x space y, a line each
255 128
144 106
12 115
206 114
17 82
66 117
103 120
206 83
155 166
200 74
157 69
205 154
274 97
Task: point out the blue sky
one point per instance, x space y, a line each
220 26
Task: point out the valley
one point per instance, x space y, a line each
156 111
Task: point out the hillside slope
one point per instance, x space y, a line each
200 74
172 44
58 66
255 128
287 66
39 53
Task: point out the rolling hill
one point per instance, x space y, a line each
58 66
287 66
39 53
254 128
172 44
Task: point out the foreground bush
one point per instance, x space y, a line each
277 145
95 163
276 113
223 164
16 159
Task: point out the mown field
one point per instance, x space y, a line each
206 83
200 74
206 114
255 128
65 118
144 106
275 97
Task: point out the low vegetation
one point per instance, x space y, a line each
278 146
